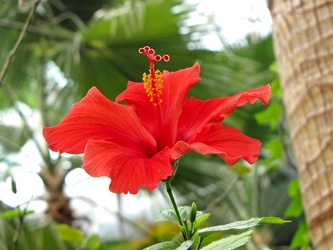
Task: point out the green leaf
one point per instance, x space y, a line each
14 188
301 238
293 188
271 115
93 242
295 208
200 220
11 214
70 234
274 220
185 245
193 212
230 242
240 225
275 147
171 245
16 213
170 214
168 245
27 212
167 215
240 169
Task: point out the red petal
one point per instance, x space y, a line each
96 117
227 142
127 168
136 96
198 113
175 88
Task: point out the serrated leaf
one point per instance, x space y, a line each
170 214
274 220
168 245
167 215
200 220
230 242
185 245
240 225
70 234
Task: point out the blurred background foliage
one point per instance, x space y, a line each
71 46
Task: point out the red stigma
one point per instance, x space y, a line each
150 54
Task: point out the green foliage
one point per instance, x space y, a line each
241 169
301 239
169 245
100 50
92 242
200 220
240 225
33 236
185 245
272 115
12 138
70 234
295 208
15 213
230 242
190 228
170 214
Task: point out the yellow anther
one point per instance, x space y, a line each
153 87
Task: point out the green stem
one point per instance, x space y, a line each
19 228
187 233
169 191
18 233
199 243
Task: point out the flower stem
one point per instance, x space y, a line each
169 191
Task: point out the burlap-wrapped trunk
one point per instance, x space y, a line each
303 41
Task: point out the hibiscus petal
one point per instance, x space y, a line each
175 88
96 117
136 96
198 113
227 142
127 168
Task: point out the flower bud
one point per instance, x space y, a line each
193 214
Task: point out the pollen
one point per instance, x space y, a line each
153 82
153 87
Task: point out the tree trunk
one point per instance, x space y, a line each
59 207
303 40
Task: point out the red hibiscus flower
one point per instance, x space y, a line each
136 143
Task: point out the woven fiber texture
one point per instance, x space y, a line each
303 41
